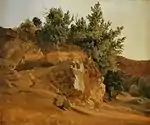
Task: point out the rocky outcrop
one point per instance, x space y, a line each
70 78
68 72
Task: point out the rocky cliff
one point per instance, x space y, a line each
25 67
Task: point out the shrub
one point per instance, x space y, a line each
113 82
97 38
56 28
92 34
26 30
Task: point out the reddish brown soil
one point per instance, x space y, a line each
133 67
30 108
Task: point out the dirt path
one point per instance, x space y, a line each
32 109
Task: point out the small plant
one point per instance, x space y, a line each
113 82
37 22
26 30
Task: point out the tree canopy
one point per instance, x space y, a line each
93 34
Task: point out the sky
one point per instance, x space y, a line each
134 15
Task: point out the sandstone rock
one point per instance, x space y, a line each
33 55
69 78
63 78
144 86
134 90
147 105
61 102
29 65
3 83
78 70
69 73
97 94
95 89
13 52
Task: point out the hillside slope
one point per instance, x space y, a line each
30 79
133 67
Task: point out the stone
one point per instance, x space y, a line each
134 90
61 102
69 78
78 71
144 86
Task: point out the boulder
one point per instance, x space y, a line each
144 86
74 80
71 73
13 52
134 90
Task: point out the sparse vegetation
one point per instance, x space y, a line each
113 82
26 30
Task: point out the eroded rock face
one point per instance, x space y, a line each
62 77
69 78
70 73
97 93
78 70
13 52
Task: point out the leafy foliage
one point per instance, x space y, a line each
98 39
26 30
56 27
92 34
113 82
37 22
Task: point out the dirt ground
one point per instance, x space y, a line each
29 108
35 107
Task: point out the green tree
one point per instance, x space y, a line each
98 39
93 35
56 28
26 30
113 82
78 32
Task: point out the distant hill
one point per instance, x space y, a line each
134 67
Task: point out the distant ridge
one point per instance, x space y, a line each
132 67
